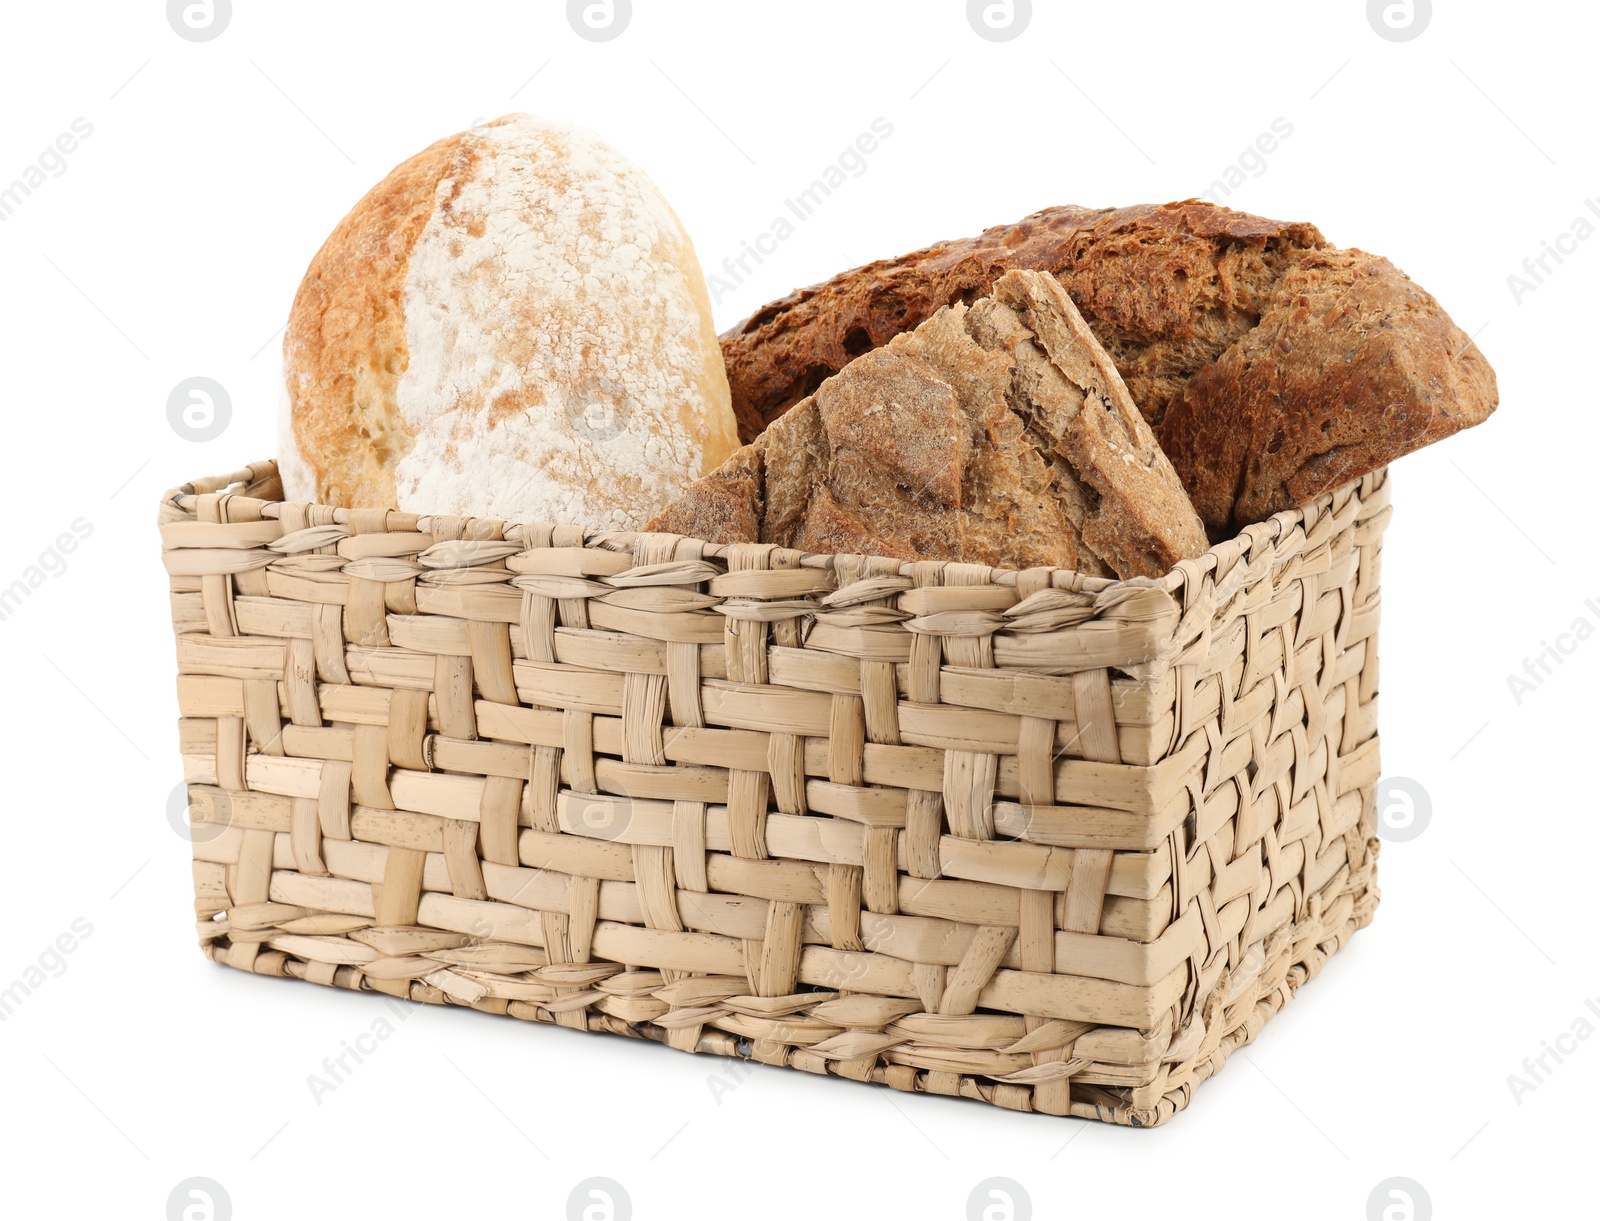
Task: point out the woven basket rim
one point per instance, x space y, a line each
1185 577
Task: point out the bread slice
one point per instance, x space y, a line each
995 434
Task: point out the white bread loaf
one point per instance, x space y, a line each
512 324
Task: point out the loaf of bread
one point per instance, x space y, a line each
1350 366
997 434
512 324
1187 298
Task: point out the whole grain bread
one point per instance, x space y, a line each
1187 298
1351 366
997 434
1166 288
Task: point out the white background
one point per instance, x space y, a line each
171 246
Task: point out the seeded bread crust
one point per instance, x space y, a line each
998 434
1271 366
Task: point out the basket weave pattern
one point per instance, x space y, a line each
1053 842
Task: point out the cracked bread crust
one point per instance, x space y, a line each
999 434
1167 289
1351 366
1271 366
1137 517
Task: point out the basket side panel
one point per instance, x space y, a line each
1279 852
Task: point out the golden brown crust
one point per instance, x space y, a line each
999 434
1167 288
1351 366
345 345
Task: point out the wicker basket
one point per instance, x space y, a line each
1052 842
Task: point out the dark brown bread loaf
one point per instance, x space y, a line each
1166 289
1351 366
997 434
1173 291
